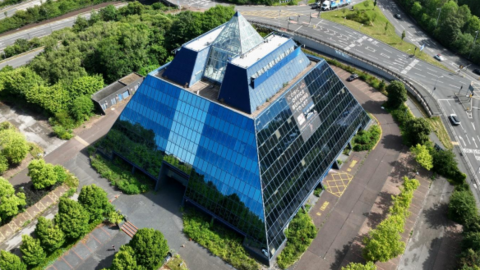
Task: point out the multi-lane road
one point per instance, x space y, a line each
10 10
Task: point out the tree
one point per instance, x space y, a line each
385 242
10 203
109 13
15 147
50 235
32 251
150 248
462 208
124 259
3 164
82 108
397 94
416 9
72 218
359 266
10 261
417 131
94 199
422 156
403 35
42 174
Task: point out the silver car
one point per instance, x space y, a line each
454 119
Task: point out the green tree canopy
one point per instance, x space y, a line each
417 131
94 199
3 163
10 261
422 156
150 248
32 251
72 218
14 145
10 203
82 108
124 259
359 266
385 241
51 236
462 208
397 94
42 174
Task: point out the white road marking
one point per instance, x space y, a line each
431 70
387 50
410 66
372 57
461 139
473 126
370 49
384 55
419 75
432 74
474 142
472 151
453 86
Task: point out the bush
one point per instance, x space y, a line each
397 94
359 266
63 133
149 247
42 174
118 176
94 199
366 140
360 17
215 238
10 261
3 164
462 207
50 235
60 173
13 145
32 251
72 218
35 150
10 203
300 234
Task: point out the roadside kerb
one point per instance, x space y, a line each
22 54
429 105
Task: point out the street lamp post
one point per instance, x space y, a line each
438 17
473 45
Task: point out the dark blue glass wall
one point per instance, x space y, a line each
293 161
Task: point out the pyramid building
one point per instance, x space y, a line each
249 125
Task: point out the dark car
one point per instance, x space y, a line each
398 16
476 71
454 119
352 77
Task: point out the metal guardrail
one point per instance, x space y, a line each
410 87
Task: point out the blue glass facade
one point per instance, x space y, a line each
250 167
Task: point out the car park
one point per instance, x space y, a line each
454 119
352 77
439 57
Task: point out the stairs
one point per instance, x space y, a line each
129 229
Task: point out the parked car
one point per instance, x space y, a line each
476 71
352 77
454 119
398 16
439 57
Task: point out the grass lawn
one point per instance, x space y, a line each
439 129
377 29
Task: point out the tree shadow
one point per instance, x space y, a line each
392 142
436 216
340 255
106 262
374 107
374 218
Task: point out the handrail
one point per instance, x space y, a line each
414 91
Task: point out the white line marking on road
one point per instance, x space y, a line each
370 49
472 151
387 50
373 57
474 142
431 70
410 66
432 74
384 55
402 27
445 99
453 85
419 75
473 126
461 139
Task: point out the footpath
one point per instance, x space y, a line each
362 190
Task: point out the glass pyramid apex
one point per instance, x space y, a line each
238 36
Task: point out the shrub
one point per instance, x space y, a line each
14 145
122 178
42 174
71 180
51 236
63 133
124 259
94 199
149 247
397 94
462 208
300 234
360 17
32 251
10 261
215 238
60 173
359 266
35 150
3 164
366 140
422 156
10 203
72 218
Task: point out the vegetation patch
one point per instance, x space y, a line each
369 19
219 240
119 174
176 263
385 242
300 234
365 140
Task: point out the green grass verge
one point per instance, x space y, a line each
439 129
377 29
219 240
176 263
120 176
300 234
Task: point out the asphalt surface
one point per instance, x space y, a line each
10 10
20 60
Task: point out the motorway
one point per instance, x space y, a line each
10 10
20 60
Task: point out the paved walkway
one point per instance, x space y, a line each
341 218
